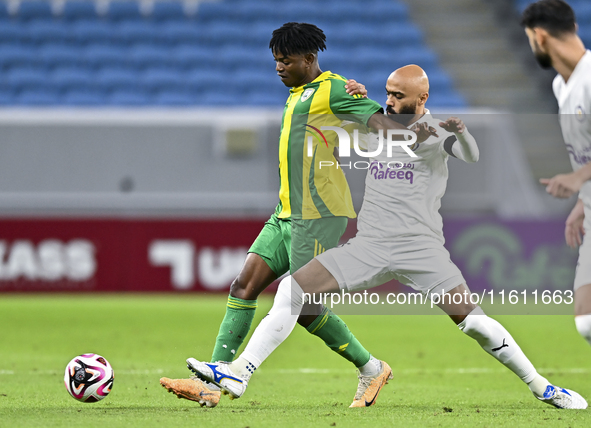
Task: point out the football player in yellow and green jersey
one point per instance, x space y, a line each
314 207
307 191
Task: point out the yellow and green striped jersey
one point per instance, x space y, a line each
307 191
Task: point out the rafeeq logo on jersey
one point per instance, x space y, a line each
391 171
409 138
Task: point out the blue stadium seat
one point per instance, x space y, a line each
93 31
105 55
26 79
222 99
4 11
262 98
140 31
129 98
173 32
175 98
158 79
84 98
117 79
222 32
38 97
13 55
70 78
232 57
41 31
12 32
57 54
80 10
191 56
142 56
124 10
168 10
449 99
249 80
6 97
209 11
34 9
204 80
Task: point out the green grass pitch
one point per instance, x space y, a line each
441 377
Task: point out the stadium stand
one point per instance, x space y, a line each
79 52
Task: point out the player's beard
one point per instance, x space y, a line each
405 114
543 59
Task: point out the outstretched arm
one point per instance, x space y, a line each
565 185
465 148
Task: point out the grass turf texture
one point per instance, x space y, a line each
441 377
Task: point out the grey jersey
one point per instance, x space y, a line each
574 102
403 193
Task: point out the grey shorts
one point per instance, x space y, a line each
422 263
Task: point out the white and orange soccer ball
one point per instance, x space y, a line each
89 378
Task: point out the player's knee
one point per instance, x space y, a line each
583 323
241 289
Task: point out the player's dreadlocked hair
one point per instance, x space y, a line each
554 16
296 38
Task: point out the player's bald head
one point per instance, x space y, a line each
410 79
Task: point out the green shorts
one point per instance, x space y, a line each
287 245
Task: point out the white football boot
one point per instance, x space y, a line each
219 374
563 398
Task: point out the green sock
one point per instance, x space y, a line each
337 336
234 328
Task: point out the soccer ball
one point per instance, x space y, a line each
89 378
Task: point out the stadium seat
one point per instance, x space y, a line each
4 11
172 32
105 55
12 55
72 78
26 79
191 56
142 56
262 98
129 98
140 31
34 9
201 81
175 98
12 32
92 31
57 54
218 33
209 11
157 79
84 98
222 98
37 97
76 10
168 10
6 97
40 31
117 79
124 10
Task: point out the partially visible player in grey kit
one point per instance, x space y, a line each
552 31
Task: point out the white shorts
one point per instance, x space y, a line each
583 272
422 263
